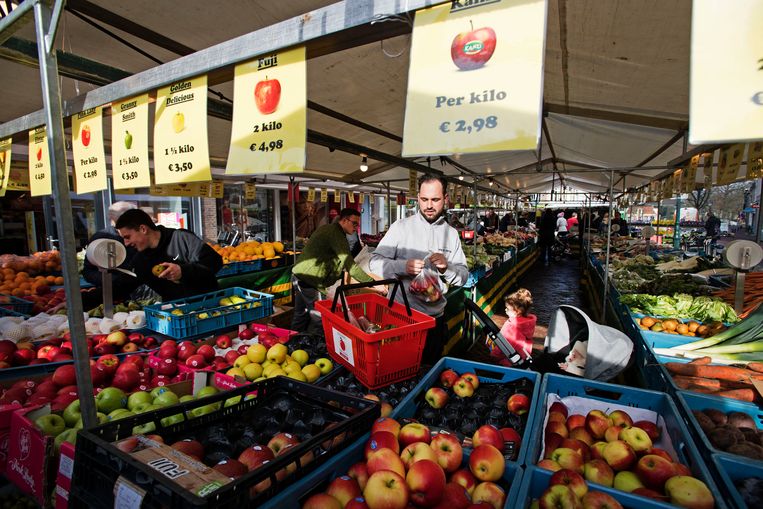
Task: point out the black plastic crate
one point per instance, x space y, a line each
98 463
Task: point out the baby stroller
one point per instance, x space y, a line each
575 345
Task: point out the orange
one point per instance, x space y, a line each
59 280
50 279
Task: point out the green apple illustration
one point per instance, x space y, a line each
128 140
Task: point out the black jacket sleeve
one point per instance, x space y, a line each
198 262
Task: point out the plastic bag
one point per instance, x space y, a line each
426 285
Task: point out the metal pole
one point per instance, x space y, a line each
475 220
293 201
759 212
51 98
47 207
606 262
659 204
389 207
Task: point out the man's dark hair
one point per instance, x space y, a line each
347 213
134 219
434 178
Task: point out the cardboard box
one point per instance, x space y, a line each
30 455
64 477
5 429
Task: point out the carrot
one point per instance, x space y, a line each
755 366
701 360
713 372
702 390
701 382
740 394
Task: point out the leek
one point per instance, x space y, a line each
743 332
752 346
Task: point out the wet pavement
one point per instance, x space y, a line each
551 286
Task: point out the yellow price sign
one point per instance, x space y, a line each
250 190
39 163
310 194
5 164
129 143
87 148
324 195
337 196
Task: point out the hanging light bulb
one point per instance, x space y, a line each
490 183
461 177
364 164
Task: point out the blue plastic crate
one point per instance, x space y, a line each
694 401
197 312
9 312
293 496
605 393
731 469
15 304
535 481
487 373
229 269
475 275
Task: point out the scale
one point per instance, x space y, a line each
742 255
646 233
107 255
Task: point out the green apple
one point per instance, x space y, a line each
158 390
257 353
233 401
72 413
166 398
51 424
138 398
300 356
68 435
110 399
325 365
277 353
252 371
143 429
128 140
120 413
172 419
209 390
186 398
206 409
100 416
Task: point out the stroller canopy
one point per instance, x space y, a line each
609 350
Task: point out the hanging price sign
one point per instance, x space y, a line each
324 195
129 143
181 152
350 197
87 148
363 197
217 189
337 196
250 191
39 163
729 161
755 160
5 164
413 188
310 194
269 131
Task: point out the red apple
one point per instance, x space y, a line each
130 347
386 489
560 407
85 135
108 363
415 452
619 455
344 489
207 352
659 452
414 432
231 468
557 427
436 397
472 49
168 366
599 500
654 471
552 441
518 404
599 472
267 94
571 479
359 472
255 455
465 478
448 378
380 440
384 459
558 496
190 447
568 458
65 375
596 423
117 338
448 451
223 341
281 441
426 481
620 418
651 429
487 463
168 349
489 493
488 434
454 496
582 434
185 350
196 361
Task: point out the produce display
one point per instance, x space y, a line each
690 328
44 326
701 309
719 380
614 451
732 432
567 488
406 464
251 250
753 293
480 258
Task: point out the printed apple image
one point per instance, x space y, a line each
128 140
85 135
39 153
267 94
178 122
471 50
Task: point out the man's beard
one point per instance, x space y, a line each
434 219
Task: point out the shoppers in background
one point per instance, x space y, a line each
572 221
561 225
523 223
409 242
712 226
323 260
622 223
122 285
604 223
227 215
175 263
491 221
506 221
546 235
519 329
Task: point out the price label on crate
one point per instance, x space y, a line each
127 495
129 143
343 347
269 131
181 151
88 153
39 163
488 59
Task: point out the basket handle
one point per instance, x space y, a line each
339 294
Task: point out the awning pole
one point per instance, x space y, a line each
606 262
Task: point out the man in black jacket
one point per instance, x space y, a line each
174 263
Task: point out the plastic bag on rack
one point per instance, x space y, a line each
426 285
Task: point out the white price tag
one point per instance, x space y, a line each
127 495
343 347
66 466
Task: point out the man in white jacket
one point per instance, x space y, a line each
409 242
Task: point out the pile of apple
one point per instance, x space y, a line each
568 489
614 451
464 405
259 362
407 466
28 353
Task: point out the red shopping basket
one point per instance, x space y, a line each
380 358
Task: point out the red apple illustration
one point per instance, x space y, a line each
85 135
267 93
39 153
471 50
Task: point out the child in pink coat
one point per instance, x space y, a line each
519 328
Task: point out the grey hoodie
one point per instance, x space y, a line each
415 238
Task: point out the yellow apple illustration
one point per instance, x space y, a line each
178 122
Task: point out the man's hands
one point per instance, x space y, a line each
415 265
172 272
